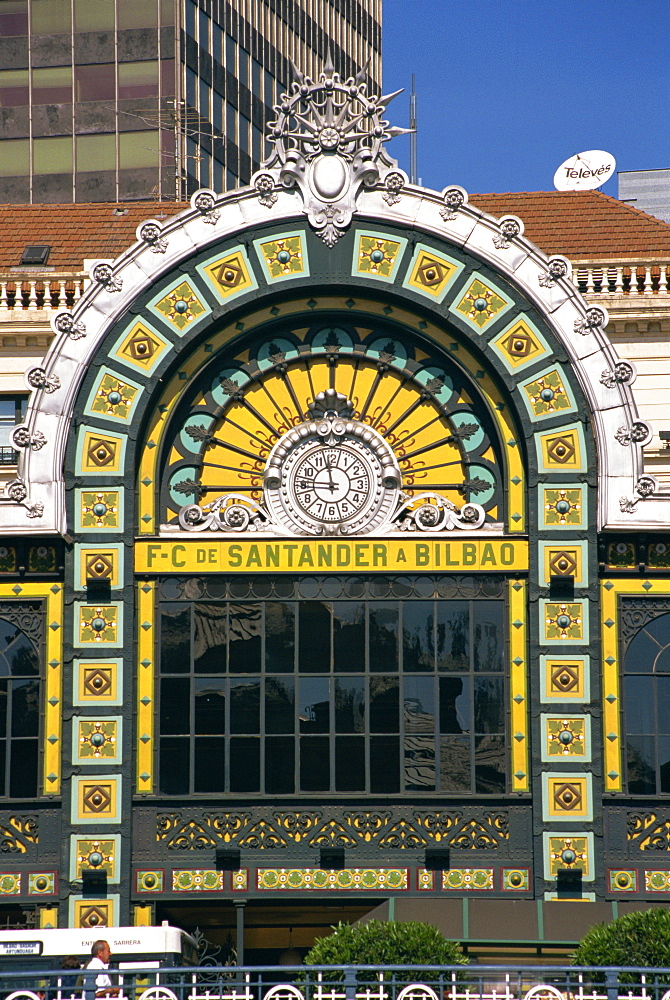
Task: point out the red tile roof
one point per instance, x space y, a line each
75 232
581 225
584 225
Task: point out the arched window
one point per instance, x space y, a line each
646 691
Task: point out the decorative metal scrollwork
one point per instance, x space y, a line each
509 228
103 273
436 513
638 433
18 492
623 373
645 487
151 234
454 198
557 268
204 201
595 319
37 378
265 188
394 183
22 438
64 322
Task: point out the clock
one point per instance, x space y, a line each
332 475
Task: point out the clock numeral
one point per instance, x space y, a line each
309 472
345 507
355 498
306 499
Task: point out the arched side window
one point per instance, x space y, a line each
20 700
646 695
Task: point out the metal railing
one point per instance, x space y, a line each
474 982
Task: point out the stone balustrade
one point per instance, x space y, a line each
53 290
622 277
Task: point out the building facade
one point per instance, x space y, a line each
333 578
117 101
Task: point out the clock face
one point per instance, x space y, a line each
322 482
333 484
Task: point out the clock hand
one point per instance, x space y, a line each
331 482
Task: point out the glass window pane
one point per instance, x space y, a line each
138 149
314 705
490 765
245 706
95 83
453 635
279 636
137 15
4 688
210 705
279 765
13 18
489 706
642 652
349 764
53 85
174 766
349 705
23 769
314 764
3 763
384 764
175 706
97 16
50 17
639 704
349 635
455 764
25 696
245 765
209 764
210 635
417 628
138 79
231 51
279 705
314 637
455 705
662 699
14 89
95 153
175 639
659 629
641 765
384 705
52 156
243 66
18 652
383 641
244 638
15 159
419 704
664 763
488 628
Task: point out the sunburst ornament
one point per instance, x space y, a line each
328 142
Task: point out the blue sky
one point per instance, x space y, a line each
508 89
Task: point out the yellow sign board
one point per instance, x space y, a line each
312 555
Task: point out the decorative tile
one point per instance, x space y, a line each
10 883
42 559
96 741
283 256
180 306
566 737
520 344
431 273
565 678
98 564
658 555
197 880
316 879
98 510
141 347
563 559
98 624
657 881
480 303
562 506
240 880
229 275
622 879
547 394
377 255
7 559
113 397
42 883
622 555
566 797
568 851
425 880
96 799
468 879
100 453
94 913
515 879
96 853
564 621
561 450
97 682
149 880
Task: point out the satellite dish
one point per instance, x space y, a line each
585 171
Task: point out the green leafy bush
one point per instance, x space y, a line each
636 939
379 943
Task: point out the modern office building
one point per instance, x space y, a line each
334 572
115 100
648 190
